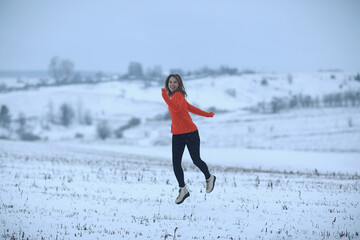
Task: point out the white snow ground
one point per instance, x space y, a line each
63 191
292 175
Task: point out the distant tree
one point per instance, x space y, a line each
338 98
66 71
54 68
162 116
290 79
66 114
327 101
307 101
357 77
79 111
277 104
231 92
248 71
133 122
103 130
350 97
43 81
357 97
316 102
135 70
77 78
22 122
294 102
3 87
22 132
261 107
264 82
89 79
88 120
50 118
98 76
188 73
177 71
61 70
154 73
227 70
207 71
29 136
5 117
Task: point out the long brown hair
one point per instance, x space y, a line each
181 87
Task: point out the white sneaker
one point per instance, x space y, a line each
183 194
210 183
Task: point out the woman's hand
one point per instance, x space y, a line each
163 90
212 114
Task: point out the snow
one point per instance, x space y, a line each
264 160
290 175
54 190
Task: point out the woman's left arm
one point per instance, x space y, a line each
198 111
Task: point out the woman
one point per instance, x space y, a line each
184 133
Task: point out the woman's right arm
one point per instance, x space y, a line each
175 102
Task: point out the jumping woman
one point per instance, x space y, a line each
185 133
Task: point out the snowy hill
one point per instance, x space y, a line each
230 97
72 184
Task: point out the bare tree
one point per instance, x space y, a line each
62 70
66 69
5 117
99 76
50 118
66 114
54 68
22 122
177 71
87 118
80 111
103 130
154 73
135 70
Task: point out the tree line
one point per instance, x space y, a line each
66 116
341 99
63 72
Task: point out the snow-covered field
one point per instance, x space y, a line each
316 129
63 191
290 175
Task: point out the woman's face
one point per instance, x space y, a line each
173 84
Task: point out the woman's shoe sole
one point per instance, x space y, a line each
213 185
186 195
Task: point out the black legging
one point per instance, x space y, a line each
192 141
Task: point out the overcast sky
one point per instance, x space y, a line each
279 35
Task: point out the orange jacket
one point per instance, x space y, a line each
179 110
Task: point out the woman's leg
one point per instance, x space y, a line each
193 144
178 146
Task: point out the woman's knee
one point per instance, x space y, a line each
197 160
